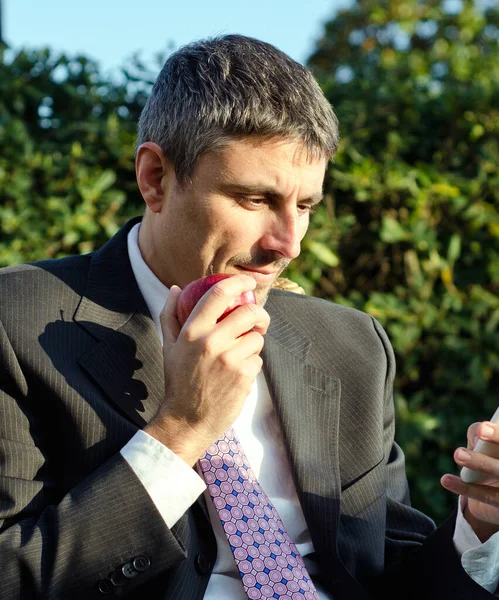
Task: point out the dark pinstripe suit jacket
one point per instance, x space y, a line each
81 371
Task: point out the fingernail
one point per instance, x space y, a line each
451 483
476 439
463 455
487 431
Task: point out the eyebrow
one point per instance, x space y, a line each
264 191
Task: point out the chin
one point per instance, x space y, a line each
261 294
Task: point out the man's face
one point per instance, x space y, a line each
246 211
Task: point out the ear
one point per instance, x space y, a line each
151 167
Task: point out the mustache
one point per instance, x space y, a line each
262 259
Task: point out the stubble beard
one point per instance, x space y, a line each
261 294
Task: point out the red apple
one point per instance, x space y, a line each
196 289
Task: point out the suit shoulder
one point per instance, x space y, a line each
328 322
27 271
47 278
316 307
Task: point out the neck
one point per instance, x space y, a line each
149 251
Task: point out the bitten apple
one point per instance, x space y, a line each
193 291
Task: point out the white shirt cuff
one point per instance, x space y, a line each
171 483
480 561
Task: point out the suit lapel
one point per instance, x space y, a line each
126 361
306 399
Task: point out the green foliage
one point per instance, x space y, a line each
412 212
67 136
408 231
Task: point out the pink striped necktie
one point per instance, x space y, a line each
269 563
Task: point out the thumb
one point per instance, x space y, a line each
168 317
471 435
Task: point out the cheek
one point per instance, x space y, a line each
303 227
239 232
198 226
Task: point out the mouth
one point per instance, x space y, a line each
261 275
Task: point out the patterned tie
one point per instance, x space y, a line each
269 563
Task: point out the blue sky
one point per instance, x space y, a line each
111 30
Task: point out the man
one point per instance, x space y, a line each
108 404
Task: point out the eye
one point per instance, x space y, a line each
250 203
307 208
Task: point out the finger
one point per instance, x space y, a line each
218 298
471 435
253 366
168 317
478 462
244 318
246 346
488 432
482 493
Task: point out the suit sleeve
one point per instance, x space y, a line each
69 548
420 560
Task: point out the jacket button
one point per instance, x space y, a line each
106 586
128 571
203 564
141 563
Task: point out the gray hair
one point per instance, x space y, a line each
216 90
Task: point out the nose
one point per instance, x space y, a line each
284 234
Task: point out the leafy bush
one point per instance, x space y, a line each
410 230
67 161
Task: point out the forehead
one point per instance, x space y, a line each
280 163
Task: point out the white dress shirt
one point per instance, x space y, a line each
174 486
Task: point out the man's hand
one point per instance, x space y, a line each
482 510
209 367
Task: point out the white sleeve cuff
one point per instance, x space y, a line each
171 483
480 561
